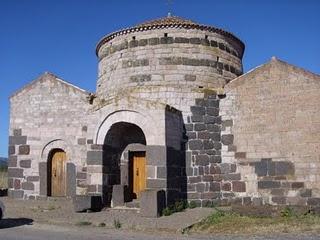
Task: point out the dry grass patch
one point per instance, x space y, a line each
3 179
232 223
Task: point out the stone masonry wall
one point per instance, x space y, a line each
209 180
272 114
48 113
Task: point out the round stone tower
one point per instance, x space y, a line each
167 60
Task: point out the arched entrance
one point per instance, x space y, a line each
124 159
57 173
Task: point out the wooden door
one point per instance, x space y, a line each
58 174
139 173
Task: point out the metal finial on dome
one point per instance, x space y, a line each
169 14
169 3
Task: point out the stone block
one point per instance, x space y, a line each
33 178
268 184
215 187
214 128
200 187
215 159
209 120
213 103
195 145
225 168
89 141
313 201
195 179
15 173
12 161
25 163
207 178
279 200
205 42
213 43
238 186
202 160
119 193
246 201
11 150
227 123
181 40
195 40
153 41
81 175
152 203
204 135
71 179
95 158
156 183
16 194
17 132
27 186
17 184
143 42
211 111
217 146
156 155
82 141
87 203
295 185
227 139
24 150
197 119
226 186
191 135
231 177
190 78
162 172
261 168
166 40
278 192
43 178
17 140
306 193
197 110
216 137
189 127
240 155
284 168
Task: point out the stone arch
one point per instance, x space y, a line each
48 149
145 122
56 144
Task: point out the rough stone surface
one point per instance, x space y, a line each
152 203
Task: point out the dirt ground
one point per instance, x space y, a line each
60 211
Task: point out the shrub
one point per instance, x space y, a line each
117 224
192 204
287 212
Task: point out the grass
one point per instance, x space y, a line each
3 178
83 223
232 223
117 224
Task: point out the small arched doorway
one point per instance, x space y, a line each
57 173
124 159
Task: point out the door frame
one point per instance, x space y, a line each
131 171
49 171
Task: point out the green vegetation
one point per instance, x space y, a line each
228 222
83 223
102 224
3 177
117 224
178 206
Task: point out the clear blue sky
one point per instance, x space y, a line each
60 35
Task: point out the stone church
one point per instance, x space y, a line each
173 112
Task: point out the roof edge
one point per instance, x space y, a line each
139 28
273 60
51 76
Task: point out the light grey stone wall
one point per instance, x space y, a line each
272 113
170 69
46 114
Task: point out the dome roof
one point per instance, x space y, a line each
167 22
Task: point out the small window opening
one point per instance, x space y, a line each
200 86
165 34
133 37
217 59
206 36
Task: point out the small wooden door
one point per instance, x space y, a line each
58 174
139 173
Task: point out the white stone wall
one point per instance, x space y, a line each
52 114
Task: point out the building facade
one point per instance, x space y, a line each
173 111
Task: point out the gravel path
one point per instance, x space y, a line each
60 212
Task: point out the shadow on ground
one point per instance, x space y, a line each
14 222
